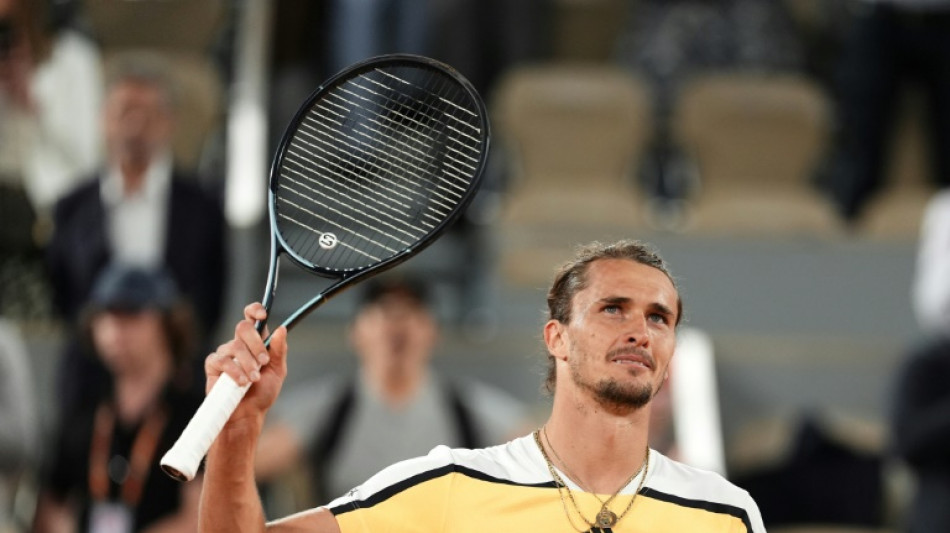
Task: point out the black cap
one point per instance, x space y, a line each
130 288
380 286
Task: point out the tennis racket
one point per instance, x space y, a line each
374 166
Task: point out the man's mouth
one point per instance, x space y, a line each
632 357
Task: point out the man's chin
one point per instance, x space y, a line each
616 396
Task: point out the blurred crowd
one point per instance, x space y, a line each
113 116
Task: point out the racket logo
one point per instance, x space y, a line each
328 241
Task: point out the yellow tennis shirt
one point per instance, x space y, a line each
509 488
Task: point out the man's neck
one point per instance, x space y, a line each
603 447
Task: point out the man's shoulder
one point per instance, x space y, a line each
86 191
687 485
509 464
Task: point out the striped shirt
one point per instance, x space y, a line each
509 488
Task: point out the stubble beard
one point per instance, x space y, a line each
614 395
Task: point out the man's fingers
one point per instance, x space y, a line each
250 352
256 312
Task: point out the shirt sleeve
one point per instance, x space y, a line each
409 496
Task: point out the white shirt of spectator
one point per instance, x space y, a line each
136 223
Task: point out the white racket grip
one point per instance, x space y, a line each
183 459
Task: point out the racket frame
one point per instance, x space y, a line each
344 280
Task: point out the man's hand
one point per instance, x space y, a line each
247 360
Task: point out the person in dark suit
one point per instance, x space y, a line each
139 209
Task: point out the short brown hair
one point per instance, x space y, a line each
571 278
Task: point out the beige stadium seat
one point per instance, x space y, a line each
573 135
756 139
182 32
173 25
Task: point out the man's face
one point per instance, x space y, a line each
137 122
395 333
621 335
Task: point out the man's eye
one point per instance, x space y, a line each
659 318
612 309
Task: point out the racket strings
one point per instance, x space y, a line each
377 164
340 146
392 131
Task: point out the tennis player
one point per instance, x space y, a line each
613 312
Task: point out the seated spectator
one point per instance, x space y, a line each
920 407
394 408
104 469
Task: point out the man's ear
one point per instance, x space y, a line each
555 339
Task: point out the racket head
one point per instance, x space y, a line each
377 163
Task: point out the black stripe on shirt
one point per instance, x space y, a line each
713 507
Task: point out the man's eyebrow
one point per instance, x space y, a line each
615 300
662 309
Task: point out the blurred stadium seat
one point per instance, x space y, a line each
755 139
572 134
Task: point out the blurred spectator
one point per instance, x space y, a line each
103 472
920 432
396 406
920 416
19 424
140 209
50 90
890 43
671 41
822 478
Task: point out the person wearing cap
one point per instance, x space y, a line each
103 468
395 407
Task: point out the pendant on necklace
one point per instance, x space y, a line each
606 518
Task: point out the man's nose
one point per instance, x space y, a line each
637 331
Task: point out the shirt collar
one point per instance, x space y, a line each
157 179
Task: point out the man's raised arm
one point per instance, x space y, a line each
229 499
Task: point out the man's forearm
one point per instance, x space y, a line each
229 498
